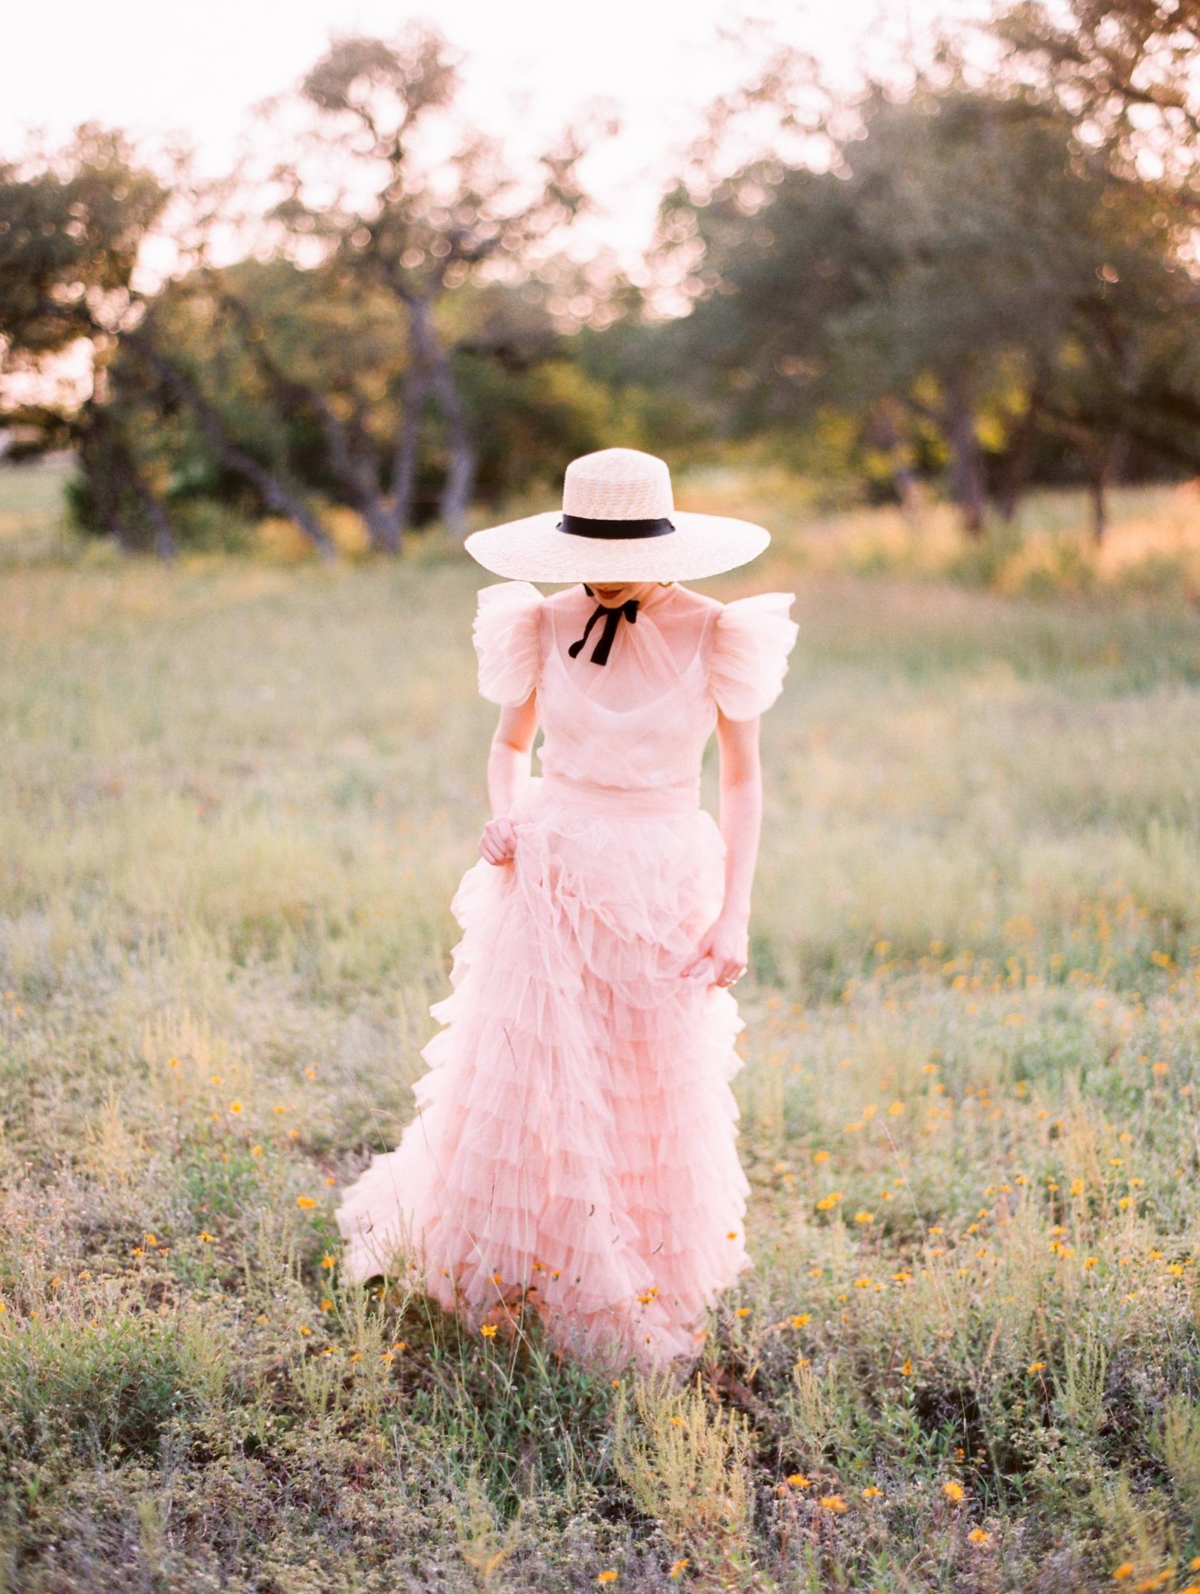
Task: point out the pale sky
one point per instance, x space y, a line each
158 67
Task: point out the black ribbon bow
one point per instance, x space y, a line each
612 618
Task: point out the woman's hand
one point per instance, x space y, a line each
498 841
726 943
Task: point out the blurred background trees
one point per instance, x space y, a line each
987 283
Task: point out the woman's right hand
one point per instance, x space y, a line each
498 842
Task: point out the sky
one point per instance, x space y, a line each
192 71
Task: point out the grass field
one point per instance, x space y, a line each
235 799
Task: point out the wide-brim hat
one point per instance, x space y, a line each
618 522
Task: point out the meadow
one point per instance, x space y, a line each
235 799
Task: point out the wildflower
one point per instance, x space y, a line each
826 1203
328 1259
871 1492
800 1320
798 1480
906 1370
1126 1569
609 1576
864 1217
305 1201
235 1106
979 1536
256 1151
953 1491
489 1330
820 1156
1036 1367
678 1566
832 1502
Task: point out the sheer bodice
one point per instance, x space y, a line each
642 719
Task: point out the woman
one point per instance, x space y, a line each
574 1143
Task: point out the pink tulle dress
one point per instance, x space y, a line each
575 1130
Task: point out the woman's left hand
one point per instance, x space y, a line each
726 943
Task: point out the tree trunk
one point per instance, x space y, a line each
96 464
414 394
152 508
460 478
1017 463
349 449
883 433
277 495
456 492
110 467
1096 487
967 486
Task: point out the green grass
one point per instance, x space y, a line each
235 799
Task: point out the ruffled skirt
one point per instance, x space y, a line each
575 1131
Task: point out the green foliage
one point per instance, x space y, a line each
85 1394
962 281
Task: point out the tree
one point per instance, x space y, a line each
1124 71
963 273
72 225
373 101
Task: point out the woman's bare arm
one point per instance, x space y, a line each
727 940
508 771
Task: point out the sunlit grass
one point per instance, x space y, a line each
235 799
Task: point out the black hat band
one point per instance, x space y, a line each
581 526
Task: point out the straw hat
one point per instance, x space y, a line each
618 522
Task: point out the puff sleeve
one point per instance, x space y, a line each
506 633
750 648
